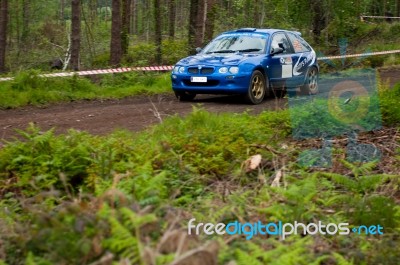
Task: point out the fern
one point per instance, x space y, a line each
319 260
342 180
125 236
358 169
31 259
244 258
341 260
362 184
122 242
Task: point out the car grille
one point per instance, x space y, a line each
193 70
207 70
203 70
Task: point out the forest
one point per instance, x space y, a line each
86 34
126 196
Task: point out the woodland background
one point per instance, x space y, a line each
82 34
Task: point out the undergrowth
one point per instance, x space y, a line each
81 199
28 88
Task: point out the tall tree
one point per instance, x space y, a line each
200 22
126 25
158 32
75 33
318 21
116 42
172 18
25 19
398 8
62 12
193 17
210 22
3 33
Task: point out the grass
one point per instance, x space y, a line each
30 89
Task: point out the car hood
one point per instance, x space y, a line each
218 60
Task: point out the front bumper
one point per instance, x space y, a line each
216 83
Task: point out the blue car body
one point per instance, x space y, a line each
226 64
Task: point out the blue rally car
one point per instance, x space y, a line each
251 62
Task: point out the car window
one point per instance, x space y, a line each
281 38
298 43
251 43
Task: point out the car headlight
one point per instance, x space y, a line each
234 70
223 70
176 69
181 70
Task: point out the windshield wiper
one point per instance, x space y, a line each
222 51
250 50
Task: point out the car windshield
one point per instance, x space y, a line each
233 43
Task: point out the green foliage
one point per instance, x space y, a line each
125 234
30 89
291 252
44 161
389 107
113 195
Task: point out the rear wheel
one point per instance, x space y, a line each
257 88
185 96
310 86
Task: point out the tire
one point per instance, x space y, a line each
257 88
310 86
185 96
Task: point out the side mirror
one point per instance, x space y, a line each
198 49
277 51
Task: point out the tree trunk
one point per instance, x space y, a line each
25 20
194 10
75 33
200 23
116 44
3 33
134 17
398 8
126 18
318 21
256 14
158 25
210 22
172 17
62 12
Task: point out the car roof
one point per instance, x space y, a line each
255 30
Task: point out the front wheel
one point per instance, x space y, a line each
310 86
257 88
185 96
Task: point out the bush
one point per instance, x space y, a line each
389 104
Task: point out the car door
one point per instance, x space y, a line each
304 58
280 67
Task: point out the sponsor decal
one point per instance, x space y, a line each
286 60
297 46
287 67
310 59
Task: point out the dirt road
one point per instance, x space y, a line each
135 113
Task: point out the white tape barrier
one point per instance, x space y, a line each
357 55
384 17
102 71
169 68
